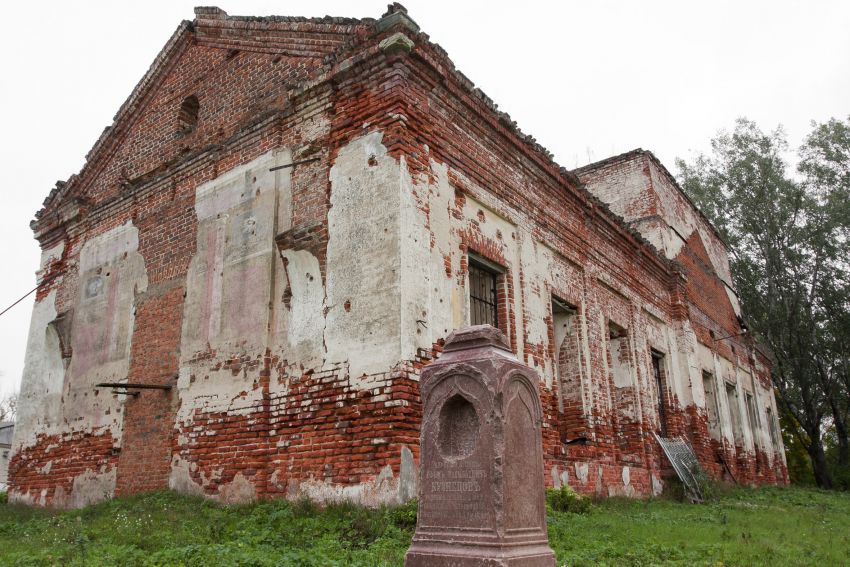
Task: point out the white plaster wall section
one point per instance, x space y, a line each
535 260
49 256
447 302
564 329
304 322
381 491
89 488
112 274
657 339
675 210
640 360
778 449
363 259
449 299
717 252
40 408
229 278
416 266
726 371
688 365
733 299
229 286
606 383
446 309
587 375
715 364
582 470
620 191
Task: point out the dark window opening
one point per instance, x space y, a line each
187 118
752 417
483 298
711 405
658 378
774 429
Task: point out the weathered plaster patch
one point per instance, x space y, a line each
363 259
581 472
657 485
40 408
382 490
226 314
112 274
303 323
238 491
88 488
408 476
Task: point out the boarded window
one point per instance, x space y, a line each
483 299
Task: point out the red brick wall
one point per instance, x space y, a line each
318 425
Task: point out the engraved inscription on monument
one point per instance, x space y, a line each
458 476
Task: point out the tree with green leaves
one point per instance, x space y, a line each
788 238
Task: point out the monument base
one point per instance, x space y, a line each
432 554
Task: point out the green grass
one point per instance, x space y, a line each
768 526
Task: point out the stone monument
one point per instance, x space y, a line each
481 498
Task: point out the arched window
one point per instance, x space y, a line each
187 119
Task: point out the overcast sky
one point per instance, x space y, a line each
587 79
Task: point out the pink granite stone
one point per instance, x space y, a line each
481 497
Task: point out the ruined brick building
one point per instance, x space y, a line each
287 218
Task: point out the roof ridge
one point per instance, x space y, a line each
216 13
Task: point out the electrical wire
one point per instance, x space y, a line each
27 294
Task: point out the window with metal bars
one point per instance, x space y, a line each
483 303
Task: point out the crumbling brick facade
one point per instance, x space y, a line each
275 237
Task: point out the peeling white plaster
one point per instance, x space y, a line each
581 472
40 407
238 491
363 259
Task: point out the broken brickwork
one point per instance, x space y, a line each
276 232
